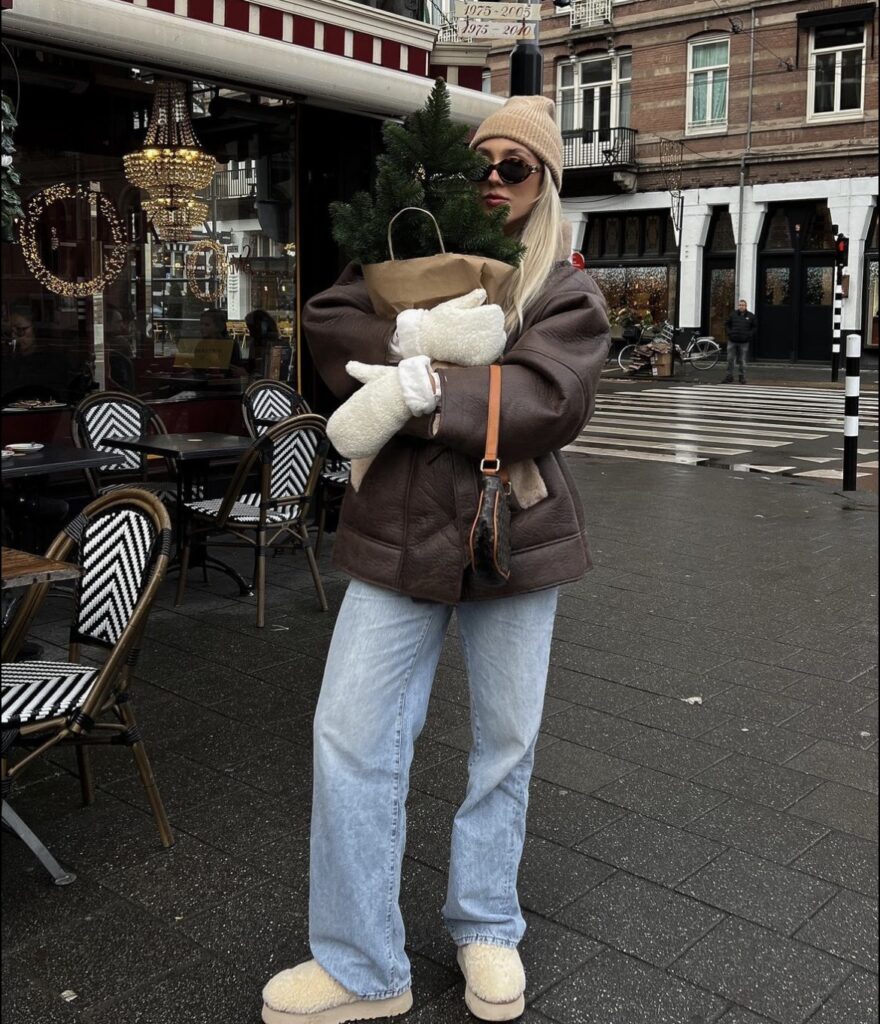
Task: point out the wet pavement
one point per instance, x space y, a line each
703 821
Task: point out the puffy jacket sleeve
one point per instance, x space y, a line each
549 377
340 325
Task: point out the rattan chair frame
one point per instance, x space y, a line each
263 535
100 481
110 691
253 423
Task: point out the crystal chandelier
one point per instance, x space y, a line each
170 166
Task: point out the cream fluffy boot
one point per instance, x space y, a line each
494 981
306 994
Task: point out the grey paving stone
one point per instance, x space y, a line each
238 823
590 691
650 849
774 835
847 927
640 918
590 728
615 987
858 728
739 1016
287 861
759 675
576 767
429 829
758 890
285 772
661 796
840 807
829 665
210 992
190 876
101 952
830 693
847 861
781 978
22 1002
756 780
754 705
551 952
674 715
758 739
855 1002
839 763
565 816
422 896
551 876
666 752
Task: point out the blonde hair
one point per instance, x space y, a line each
541 234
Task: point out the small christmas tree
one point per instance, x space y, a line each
427 163
10 198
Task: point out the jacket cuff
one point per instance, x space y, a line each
407 338
419 384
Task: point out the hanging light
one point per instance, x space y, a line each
170 157
174 218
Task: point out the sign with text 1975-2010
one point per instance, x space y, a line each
495 29
470 11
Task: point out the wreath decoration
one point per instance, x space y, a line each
34 211
221 266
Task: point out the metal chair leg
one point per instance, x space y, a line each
184 568
313 565
12 821
260 578
145 771
86 776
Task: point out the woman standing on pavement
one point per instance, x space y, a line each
402 536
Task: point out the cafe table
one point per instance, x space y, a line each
22 569
55 458
191 452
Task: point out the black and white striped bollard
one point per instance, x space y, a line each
835 337
851 412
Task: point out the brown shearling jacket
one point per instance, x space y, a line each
406 528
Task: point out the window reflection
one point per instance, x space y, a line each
777 286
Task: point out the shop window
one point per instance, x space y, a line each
612 236
195 310
836 70
777 286
637 293
631 236
652 235
707 81
820 235
721 238
820 286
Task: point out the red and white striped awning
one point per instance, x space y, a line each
334 52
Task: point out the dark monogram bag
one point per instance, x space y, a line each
489 542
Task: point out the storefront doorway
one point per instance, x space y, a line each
796 283
719 275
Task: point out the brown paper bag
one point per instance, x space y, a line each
426 281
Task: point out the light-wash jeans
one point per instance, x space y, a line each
372 706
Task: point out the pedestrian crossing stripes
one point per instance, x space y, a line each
782 427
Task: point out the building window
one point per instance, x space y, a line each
594 93
708 75
837 59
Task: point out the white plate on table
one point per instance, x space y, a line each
7 454
25 446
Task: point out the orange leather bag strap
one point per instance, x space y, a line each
491 464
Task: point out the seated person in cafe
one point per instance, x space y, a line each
212 325
32 370
120 367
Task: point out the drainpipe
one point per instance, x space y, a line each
742 162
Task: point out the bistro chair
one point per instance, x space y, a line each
288 458
266 402
121 542
99 418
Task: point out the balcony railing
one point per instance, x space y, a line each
590 13
610 148
234 183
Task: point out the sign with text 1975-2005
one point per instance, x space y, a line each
472 11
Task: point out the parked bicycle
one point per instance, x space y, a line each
702 351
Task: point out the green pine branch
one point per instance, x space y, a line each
10 201
427 163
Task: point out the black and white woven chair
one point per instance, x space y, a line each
99 418
121 542
268 401
288 458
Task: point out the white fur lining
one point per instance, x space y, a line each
415 383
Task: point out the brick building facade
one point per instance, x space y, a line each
761 117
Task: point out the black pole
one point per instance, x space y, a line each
851 412
526 69
835 341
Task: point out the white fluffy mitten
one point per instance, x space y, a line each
462 330
390 396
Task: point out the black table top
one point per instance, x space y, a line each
56 458
198 444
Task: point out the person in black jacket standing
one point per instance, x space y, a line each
741 328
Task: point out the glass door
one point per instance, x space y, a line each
596 83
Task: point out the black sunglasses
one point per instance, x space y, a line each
512 171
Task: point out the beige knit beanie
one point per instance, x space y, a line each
530 121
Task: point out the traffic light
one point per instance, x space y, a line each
841 250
